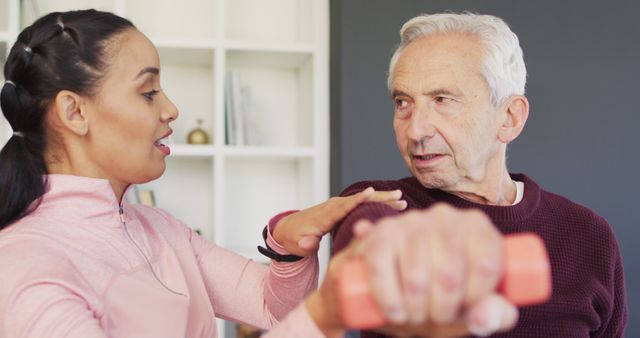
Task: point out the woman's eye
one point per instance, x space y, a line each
150 94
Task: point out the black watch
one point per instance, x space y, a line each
274 255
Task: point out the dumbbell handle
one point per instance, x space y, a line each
526 280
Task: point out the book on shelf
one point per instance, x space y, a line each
240 118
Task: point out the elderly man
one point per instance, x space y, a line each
457 81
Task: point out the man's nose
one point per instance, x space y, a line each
421 124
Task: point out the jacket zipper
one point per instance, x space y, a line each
126 230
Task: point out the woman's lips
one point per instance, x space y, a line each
162 147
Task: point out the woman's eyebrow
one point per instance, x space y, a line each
152 70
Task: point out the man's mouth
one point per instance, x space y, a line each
426 157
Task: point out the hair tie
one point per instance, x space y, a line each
29 52
11 83
59 23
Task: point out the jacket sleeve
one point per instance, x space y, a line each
249 292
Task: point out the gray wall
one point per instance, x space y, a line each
581 140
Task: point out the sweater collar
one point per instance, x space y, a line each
508 213
81 198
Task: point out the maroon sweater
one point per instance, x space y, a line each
588 282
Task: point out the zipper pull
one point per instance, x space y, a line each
121 212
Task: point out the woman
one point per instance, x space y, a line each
89 117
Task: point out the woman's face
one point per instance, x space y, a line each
129 117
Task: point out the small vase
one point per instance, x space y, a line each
198 135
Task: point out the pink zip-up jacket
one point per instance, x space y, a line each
82 265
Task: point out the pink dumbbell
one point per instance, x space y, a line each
526 280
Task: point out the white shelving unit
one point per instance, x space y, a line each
280 50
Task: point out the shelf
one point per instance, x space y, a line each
272 152
174 19
207 150
288 21
286 59
162 42
191 150
270 47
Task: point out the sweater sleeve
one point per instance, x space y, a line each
47 299
613 311
372 211
249 292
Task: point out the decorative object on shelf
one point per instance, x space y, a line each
198 135
247 331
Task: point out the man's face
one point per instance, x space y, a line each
446 126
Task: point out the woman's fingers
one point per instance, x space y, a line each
336 208
391 198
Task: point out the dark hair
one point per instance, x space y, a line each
60 51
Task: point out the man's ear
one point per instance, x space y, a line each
516 112
69 110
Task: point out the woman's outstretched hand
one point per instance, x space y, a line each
300 233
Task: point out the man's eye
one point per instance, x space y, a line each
401 103
443 99
150 94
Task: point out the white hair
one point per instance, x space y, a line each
502 66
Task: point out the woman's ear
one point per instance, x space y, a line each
516 112
69 110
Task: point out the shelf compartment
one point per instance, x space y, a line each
185 190
174 19
256 190
280 90
291 21
187 77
